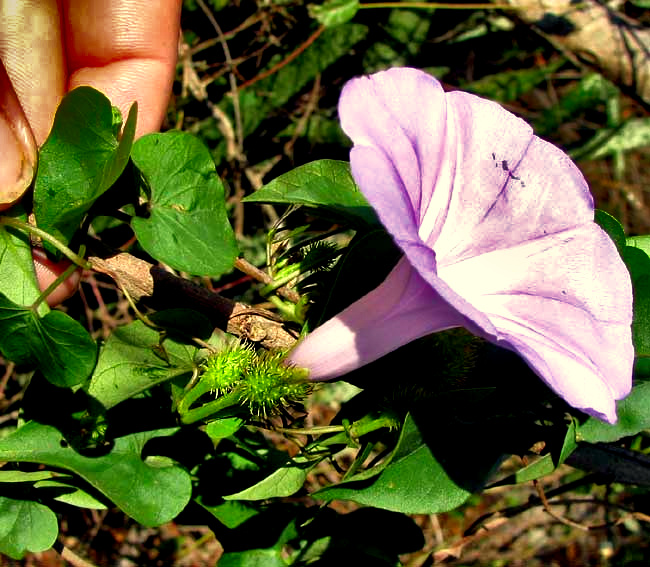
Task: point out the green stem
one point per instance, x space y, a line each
361 457
75 258
358 429
313 431
185 403
206 410
437 6
58 281
287 310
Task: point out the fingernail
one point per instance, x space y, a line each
17 145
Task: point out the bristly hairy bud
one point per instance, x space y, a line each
223 371
269 385
239 375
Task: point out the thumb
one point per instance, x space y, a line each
17 146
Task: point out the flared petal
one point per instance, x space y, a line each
403 308
397 120
563 302
498 223
510 186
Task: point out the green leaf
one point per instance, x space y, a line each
150 495
589 92
188 226
25 526
405 32
612 227
631 135
325 184
59 346
271 557
80 159
640 242
285 481
22 476
334 12
131 361
413 481
222 428
231 514
544 465
641 321
638 263
17 276
510 85
65 489
633 417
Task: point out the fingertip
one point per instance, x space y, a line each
47 271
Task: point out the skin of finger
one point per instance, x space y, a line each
18 156
31 48
127 50
47 271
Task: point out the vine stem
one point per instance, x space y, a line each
313 431
437 6
311 39
246 267
73 257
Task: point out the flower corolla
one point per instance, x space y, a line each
498 234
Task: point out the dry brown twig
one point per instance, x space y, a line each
595 35
156 287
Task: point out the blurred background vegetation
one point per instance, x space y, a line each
258 82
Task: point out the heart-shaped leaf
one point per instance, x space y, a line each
187 227
152 495
80 159
59 346
633 417
25 526
132 360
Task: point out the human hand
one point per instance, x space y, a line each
124 48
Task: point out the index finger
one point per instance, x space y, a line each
125 49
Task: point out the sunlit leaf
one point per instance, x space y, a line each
132 361
325 184
25 526
413 481
80 160
334 12
285 481
56 344
633 417
150 495
187 226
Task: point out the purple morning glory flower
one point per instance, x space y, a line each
497 230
